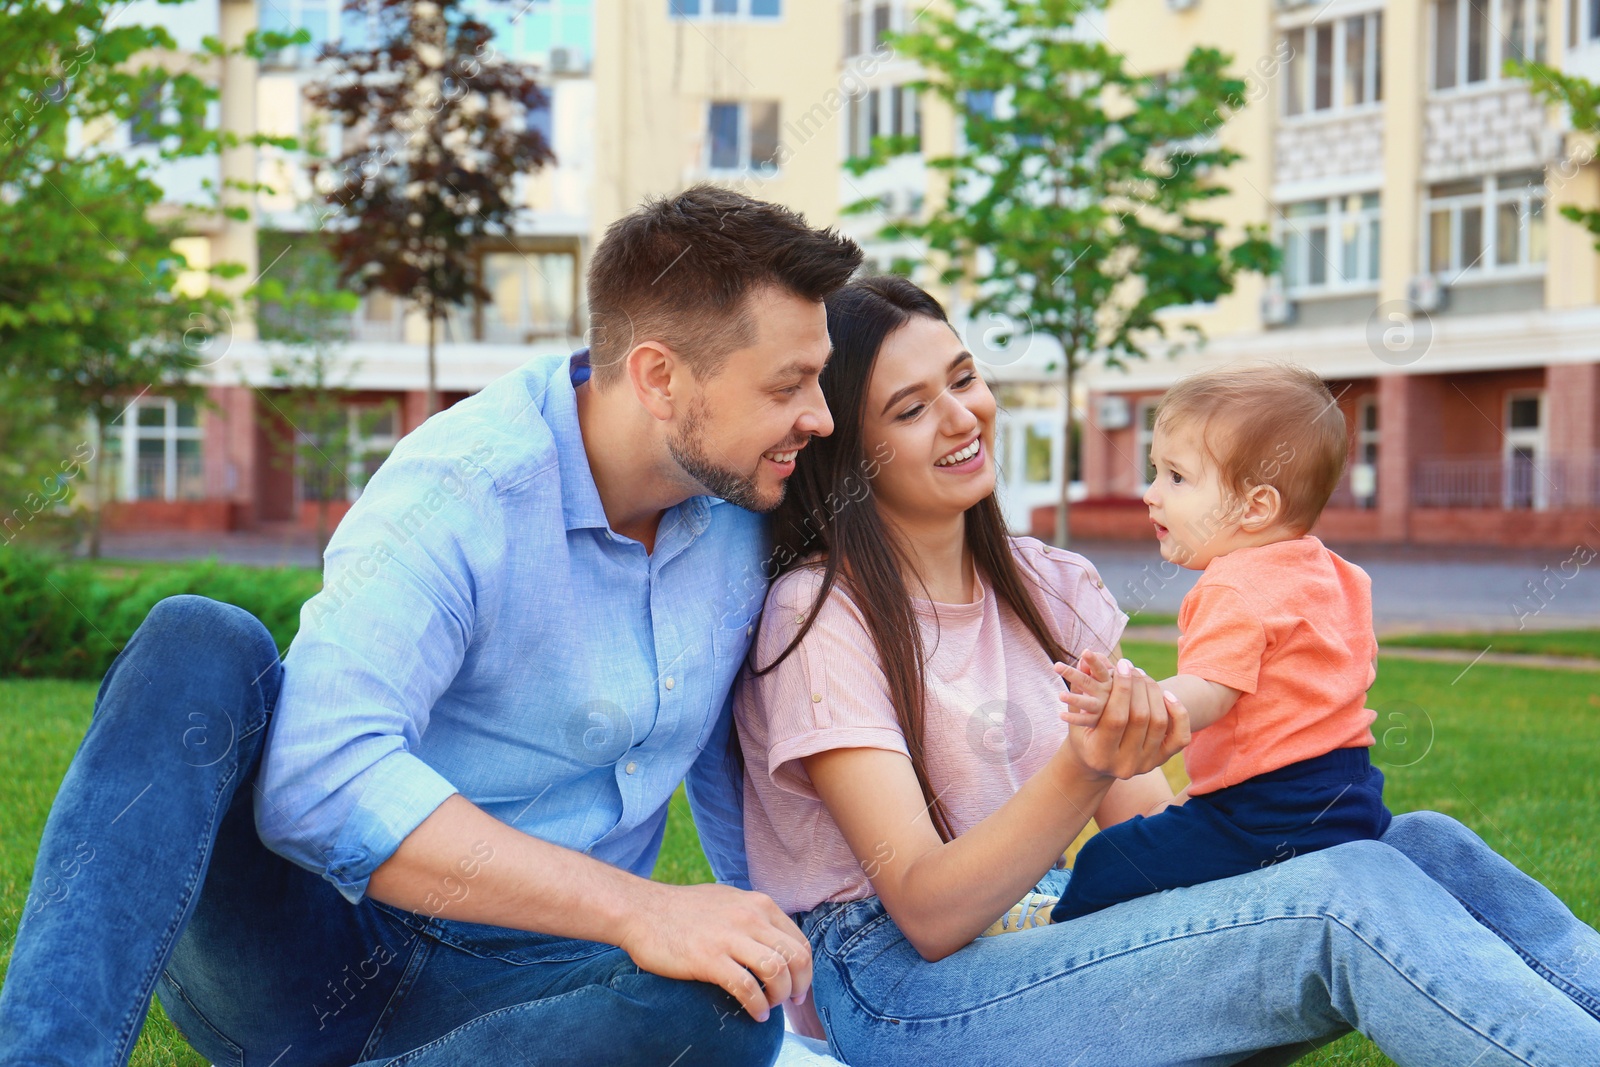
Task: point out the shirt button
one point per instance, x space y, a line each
816 698
631 767
748 630
669 683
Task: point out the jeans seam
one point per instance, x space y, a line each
1580 996
851 990
128 1033
408 978
215 1031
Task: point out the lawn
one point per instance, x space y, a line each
1581 644
1508 751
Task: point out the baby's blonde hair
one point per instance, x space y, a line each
1265 424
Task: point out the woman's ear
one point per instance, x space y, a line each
1263 506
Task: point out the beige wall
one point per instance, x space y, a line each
1156 39
655 76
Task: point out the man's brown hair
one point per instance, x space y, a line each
1265 424
681 270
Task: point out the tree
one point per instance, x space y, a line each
437 135
1074 194
92 312
303 317
1581 98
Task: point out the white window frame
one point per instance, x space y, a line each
1488 201
877 104
1144 438
745 166
361 446
129 433
1334 217
1536 439
707 14
1583 22
1498 26
1303 66
1365 439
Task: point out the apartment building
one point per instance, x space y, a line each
229 463
1414 189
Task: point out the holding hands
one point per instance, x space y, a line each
1129 725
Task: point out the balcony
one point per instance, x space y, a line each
1517 482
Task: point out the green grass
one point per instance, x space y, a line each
1582 644
1150 618
1508 751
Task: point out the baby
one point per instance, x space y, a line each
1275 648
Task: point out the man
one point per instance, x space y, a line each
529 628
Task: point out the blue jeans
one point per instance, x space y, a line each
151 878
1426 941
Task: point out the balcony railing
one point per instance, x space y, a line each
150 479
1515 482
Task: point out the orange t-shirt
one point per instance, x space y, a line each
1289 625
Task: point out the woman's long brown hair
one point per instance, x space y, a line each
826 509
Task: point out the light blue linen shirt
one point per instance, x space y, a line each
481 630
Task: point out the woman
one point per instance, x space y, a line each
910 780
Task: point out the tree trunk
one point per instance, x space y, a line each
433 369
102 475
1062 538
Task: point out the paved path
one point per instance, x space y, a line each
1413 589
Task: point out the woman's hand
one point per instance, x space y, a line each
1139 730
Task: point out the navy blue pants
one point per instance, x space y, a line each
1304 807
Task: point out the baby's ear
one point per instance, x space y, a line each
1261 508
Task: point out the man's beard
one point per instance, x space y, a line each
688 451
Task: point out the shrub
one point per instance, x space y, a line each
70 619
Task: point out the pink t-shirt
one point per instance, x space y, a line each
992 717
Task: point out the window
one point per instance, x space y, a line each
153 446
1144 436
558 32
759 9
320 18
1329 244
540 119
1485 224
1583 22
364 434
1334 66
1524 482
143 127
742 136
892 111
531 295
1472 39
1364 472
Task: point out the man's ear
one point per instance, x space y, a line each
657 375
1263 506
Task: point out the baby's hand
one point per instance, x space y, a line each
1090 688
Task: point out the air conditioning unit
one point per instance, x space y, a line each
567 61
1181 5
1276 307
1425 292
1111 412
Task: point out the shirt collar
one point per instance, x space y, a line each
580 499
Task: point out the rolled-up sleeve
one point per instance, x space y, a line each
340 784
